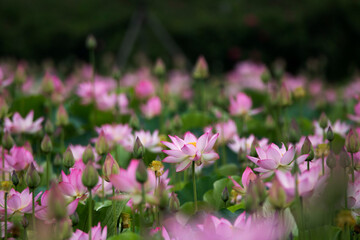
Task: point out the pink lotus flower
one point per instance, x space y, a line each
115 133
41 212
241 105
111 100
78 151
4 81
356 117
246 178
72 187
89 91
17 202
21 125
215 228
152 108
227 130
125 181
307 181
179 84
123 103
184 152
244 144
338 127
150 141
19 159
96 234
144 88
275 158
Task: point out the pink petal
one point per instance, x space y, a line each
288 156
183 165
269 164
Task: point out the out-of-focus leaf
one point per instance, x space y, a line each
126 236
228 170
193 120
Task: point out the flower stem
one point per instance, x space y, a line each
194 185
5 200
3 163
48 166
352 168
90 213
323 164
308 165
33 208
142 204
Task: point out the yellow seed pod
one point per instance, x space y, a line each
345 218
6 186
322 149
157 167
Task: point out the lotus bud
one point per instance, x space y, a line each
4 108
14 178
90 176
139 149
201 70
88 155
110 167
58 160
91 42
307 148
74 219
159 68
344 159
68 158
20 75
56 203
331 160
323 121
28 147
7 141
62 118
285 96
163 196
277 195
32 177
352 143
46 144
266 76
134 122
174 203
49 127
225 195
101 145
47 85
141 173
330 134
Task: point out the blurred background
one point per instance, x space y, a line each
326 32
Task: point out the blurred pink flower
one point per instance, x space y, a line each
183 152
152 107
78 151
144 89
96 234
89 91
115 133
246 178
356 117
123 103
19 159
274 158
227 130
241 105
4 81
150 141
17 202
338 127
244 144
21 125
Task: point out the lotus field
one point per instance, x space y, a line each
159 153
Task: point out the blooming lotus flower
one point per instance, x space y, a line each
106 101
88 91
41 212
4 81
244 144
241 105
72 187
179 84
115 133
96 234
144 88
21 125
184 151
227 130
338 127
247 176
17 202
78 151
152 108
215 228
150 141
125 181
275 158
123 103
19 159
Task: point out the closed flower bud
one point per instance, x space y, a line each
4 108
62 118
58 160
266 76
47 85
20 75
277 196
88 155
90 176
331 160
141 173
46 144
330 134
49 127
110 167
344 159
32 177
7 141
68 158
91 42
159 68
56 203
323 121
101 145
284 96
225 195
174 203
307 148
201 70
139 149
352 143
14 178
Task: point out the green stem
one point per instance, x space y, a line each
90 212
5 199
352 168
323 164
345 189
194 185
33 208
3 163
48 166
92 60
223 149
142 204
308 165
